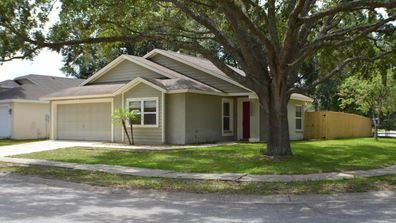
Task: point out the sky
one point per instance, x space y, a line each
46 63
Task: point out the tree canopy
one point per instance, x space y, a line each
368 96
374 96
82 61
270 40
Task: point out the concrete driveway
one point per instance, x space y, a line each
40 146
57 144
31 199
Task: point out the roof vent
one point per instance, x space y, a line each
19 82
23 81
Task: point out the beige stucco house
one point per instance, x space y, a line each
181 100
22 114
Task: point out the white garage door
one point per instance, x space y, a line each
91 121
5 121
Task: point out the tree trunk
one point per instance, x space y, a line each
375 122
131 126
278 138
126 132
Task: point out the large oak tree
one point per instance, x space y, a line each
270 40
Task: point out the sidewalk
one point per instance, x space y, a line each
142 172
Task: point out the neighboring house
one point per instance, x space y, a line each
22 114
181 99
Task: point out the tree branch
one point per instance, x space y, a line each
291 34
94 40
251 26
250 47
210 25
350 6
23 56
330 40
340 67
272 25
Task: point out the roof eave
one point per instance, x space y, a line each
77 97
120 90
301 98
24 101
135 82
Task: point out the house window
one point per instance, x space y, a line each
299 117
147 110
227 121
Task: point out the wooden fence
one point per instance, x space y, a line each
334 125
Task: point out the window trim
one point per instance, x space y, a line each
231 103
299 118
142 100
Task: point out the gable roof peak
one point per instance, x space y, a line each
134 59
198 63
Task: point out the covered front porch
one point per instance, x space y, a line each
250 120
252 123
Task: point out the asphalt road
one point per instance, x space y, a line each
31 199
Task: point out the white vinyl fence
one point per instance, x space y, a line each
387 134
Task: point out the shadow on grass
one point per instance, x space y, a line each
309 157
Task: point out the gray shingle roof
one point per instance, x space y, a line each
201 62
32 87
88 90
107 89
176 76
8 84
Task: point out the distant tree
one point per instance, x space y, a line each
389 122
325 94
82 61
370 97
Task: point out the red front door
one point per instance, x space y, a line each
246 120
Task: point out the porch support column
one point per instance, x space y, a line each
123 107
254 120
162 110
112 123
53 118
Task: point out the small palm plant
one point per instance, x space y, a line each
124 116
132 116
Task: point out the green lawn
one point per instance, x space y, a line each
7 142
310 157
